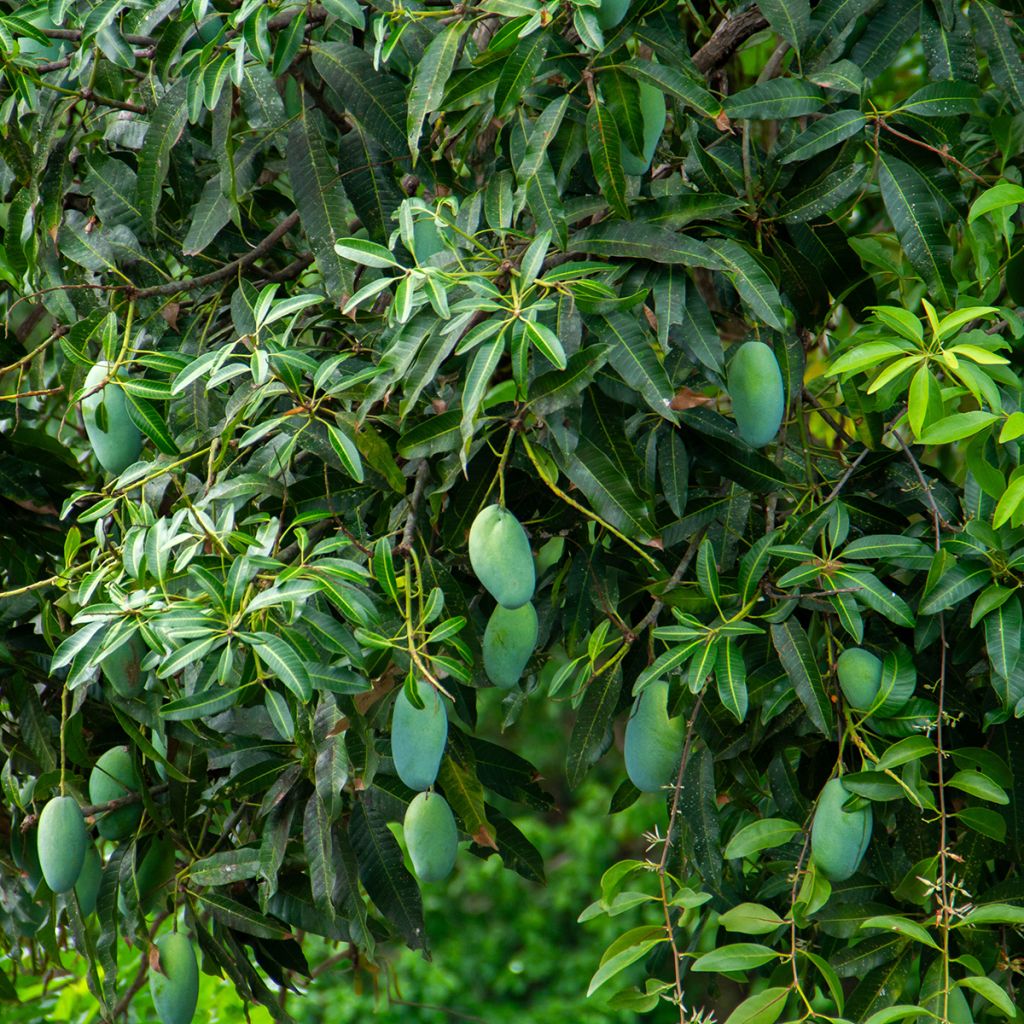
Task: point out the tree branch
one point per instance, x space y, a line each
195 283
730 35
422 472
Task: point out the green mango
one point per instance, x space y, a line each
611 12
61 841
121 667
175 987
652 110
431 836
499 552
87 888
115 439
418 737
654 742
860 677
509 641
757 392
114 776
839 838
153 876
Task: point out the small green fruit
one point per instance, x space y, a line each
87 888
418 737
112 777
62 842
839 838
757 392
509 641
176 990
653 740
652 111
122 668
432 837
860 677
115 439
611 12
499 552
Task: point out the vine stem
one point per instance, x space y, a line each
662 870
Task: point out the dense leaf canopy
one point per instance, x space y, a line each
293 292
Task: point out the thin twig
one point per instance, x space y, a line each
684 564
422 472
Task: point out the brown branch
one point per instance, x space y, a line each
943 153
109 101
730 35
684 564
74 34
296 267
195 283
111 805
828 418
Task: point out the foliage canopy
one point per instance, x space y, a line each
353 272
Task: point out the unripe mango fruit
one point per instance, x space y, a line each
757 392
113 776
653 740
175 991
860 677
499 552
121 668
61 841
153 876
418 737
611 12
652 111
431 836
87 888
509 640
115 439
839 838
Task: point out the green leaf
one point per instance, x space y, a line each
903 926
1004 59
284 661
626 950
761 835
791 19
1009 503
375 98
518 72
992 913
739 956
240 917
912 748
731 677
824 195
823 134
943 99
606 157
428 83
981 786
631 352
957 427
750 918
319 197
765 1007
774 100
592 731
674 83
794 650
347 452
998 197
316 839
988 989
165 127
915 216
645 242
750 279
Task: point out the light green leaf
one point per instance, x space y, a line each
761 835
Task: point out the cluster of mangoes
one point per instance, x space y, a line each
69 860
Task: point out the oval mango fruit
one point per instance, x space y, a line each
499 552
839 838
115 439
757 392
653 740
175 987
860 677
87 888
652 111
122 668
418 737
509 640
611 12
61 842
153 876
431 836
113 776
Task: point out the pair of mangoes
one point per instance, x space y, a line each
114 437
839 837
653 741
757 393
418 736
499 552
175 985
431 836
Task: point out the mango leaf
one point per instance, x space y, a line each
432 74
606 157
774 100
760 835
739 956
